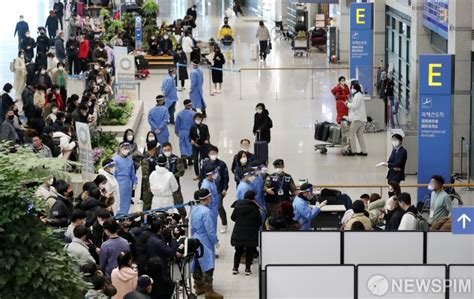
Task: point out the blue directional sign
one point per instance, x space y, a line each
463 221
138 32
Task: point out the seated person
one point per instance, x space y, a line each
153 45
359 215
166 46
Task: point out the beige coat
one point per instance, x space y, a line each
361 218
20 77
39 99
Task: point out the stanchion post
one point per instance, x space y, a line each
240 80
276 89
210 83
312 84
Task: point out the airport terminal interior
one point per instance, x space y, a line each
393 55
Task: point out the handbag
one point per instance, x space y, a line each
269 44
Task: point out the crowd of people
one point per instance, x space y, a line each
124 259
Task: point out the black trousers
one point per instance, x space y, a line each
263 49
73 65
221 209
249 254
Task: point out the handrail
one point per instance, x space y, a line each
385 186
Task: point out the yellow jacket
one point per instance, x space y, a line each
225 30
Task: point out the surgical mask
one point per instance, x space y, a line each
396 143
430 187
43 72
259 111
353 91
215 176
167 154
243 161
51 181
125 152
198 122
213 157
55 110
99 81
279 170
27 35
96 67
61 68
130 137
251 179
165 37
151 138
22 56
108 70
102 186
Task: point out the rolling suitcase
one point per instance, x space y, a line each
325 131
321 132
335 134
261 150
196 54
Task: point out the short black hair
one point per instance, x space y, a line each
77 214
357 87
151 145
405 198
198 115
61 187
213 148
250 195
398 137
123 259
83 107
166 144
358 206
244 140
340 78
438 179
156 225
365 196
357 226
111 225
103 213
80 231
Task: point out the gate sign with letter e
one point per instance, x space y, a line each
463 221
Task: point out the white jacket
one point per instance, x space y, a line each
408 222
187 44
113 187
162 185
64 142
357 108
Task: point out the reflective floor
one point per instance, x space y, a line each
295 99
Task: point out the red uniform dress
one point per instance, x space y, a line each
341 94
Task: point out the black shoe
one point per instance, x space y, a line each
349 154
362 154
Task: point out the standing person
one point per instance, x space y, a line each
244 146
112 186
187 43
58 8
248 220
52 24
126 178
177 166
8 132
83 53
203 229
148 164
217 62
112 248
20 75
263 36
238 8
397 161
196 93
209 183
192 12
158 119
245 184
21 28
60 79
440 202
7 101
168 87
28 45
180 58
279 187
72 47
199 135
262 123
162 185
341 93
59 47
222 181
124 278
42 43
358 118
304 214
183 125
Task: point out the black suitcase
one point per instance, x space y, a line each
321 132
196 54
261 150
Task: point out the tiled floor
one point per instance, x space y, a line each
295 99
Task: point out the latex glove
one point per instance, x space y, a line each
323 204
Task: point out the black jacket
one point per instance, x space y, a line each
156 246
192 13
61 212
90 207
136 295
199 134
58 7
52 24
166 45
182 70
7 103
98 235
248 219
264 123
72 47
42 44
235 161
21 27
393 219
142 250
48 141
28 45
398 159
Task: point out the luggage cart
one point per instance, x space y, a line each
331 136
227 48
301 45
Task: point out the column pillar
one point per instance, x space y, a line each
343 23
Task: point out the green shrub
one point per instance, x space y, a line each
117 115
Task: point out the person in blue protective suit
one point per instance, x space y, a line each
258 186
304 213
182 127
203 229
246 183
168 87
126 178
222 181
158 119
209 183
195 93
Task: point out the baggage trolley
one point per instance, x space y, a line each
301 46
331 135
227 48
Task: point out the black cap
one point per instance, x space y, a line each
161 161
144 281
187 102
279 163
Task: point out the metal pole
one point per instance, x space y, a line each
312 84
460 160
240 80
210 83
276 89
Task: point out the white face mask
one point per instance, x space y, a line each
167 154
43 72
102 186
165 37
396 143
198 122
130 137
22 56
61 68
279 170
259 111
97 67
430 187
51 181
151 138
125 152
353 91
55 110
215 176
213 157
99 81
243 161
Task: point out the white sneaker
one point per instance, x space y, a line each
223 229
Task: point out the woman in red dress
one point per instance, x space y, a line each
341 92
